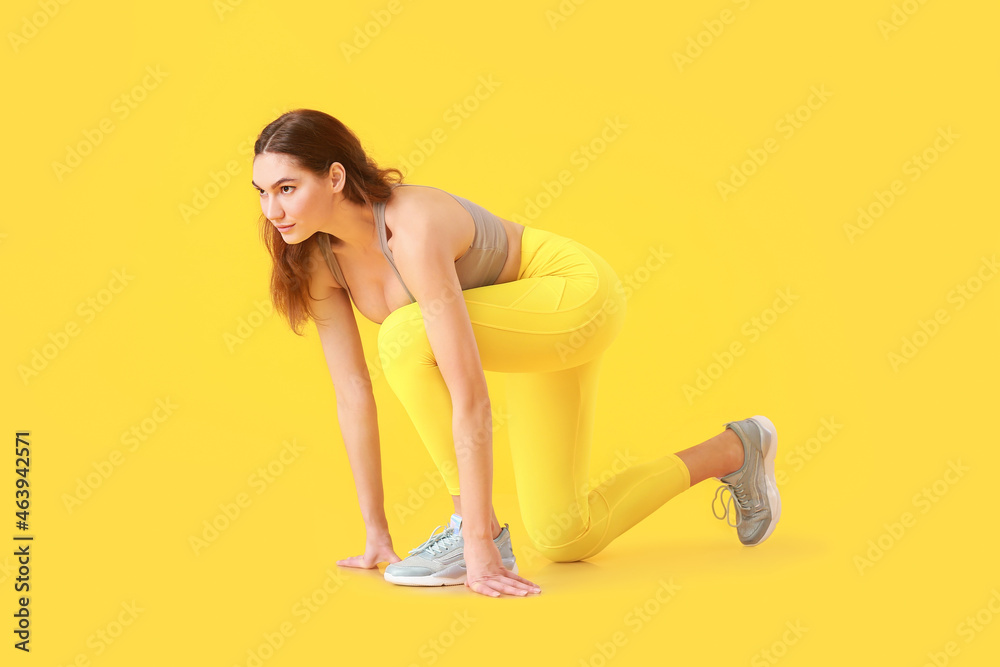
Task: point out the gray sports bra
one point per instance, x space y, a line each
480 265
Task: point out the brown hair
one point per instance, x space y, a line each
314 140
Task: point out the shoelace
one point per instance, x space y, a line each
737 496
437 542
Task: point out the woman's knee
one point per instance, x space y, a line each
559 553
561 538
402 341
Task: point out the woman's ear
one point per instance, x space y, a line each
337 176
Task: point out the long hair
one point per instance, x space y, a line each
314 140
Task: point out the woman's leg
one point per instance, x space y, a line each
548 330
716 457
551 425
551 428
560 312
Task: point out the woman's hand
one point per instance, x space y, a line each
486 575
378 549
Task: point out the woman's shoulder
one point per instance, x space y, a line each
422 207
411 196
428 212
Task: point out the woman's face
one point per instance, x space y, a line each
293 199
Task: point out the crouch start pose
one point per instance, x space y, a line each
458 291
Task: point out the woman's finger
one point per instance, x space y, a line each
483 590
354 561
514 590
500 584
516 587
513 575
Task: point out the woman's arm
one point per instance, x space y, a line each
356 410
359 427
427 265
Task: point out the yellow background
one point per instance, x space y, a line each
225 70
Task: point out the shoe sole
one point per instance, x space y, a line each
433 579
770 447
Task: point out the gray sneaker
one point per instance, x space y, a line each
753 492
439 562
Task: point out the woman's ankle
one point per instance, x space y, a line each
734 455
717 457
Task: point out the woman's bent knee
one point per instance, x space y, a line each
401 339
561 542
563 553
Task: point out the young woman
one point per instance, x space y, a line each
458 290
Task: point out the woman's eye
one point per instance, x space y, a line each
286 186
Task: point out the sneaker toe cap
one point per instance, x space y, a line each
398 570
751 532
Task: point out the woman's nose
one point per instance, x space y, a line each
272 209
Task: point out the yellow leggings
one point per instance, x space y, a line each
547 331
